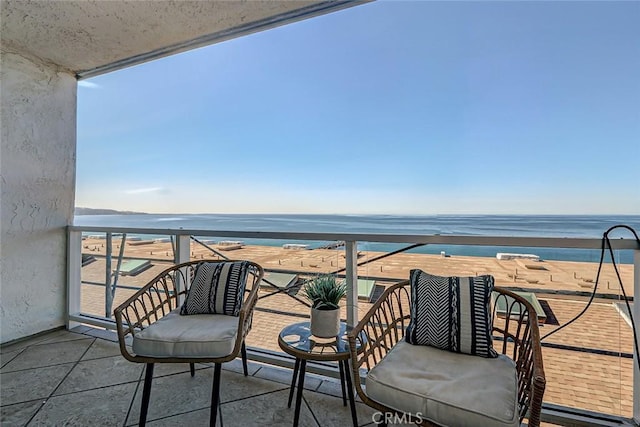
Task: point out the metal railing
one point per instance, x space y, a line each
181 243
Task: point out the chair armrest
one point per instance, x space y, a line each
160 296
245 317
153 301
379 330
517 329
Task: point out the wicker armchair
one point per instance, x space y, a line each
212 338
515 335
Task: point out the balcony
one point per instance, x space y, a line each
589 365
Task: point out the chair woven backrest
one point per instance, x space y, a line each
164 293
516 335
515 332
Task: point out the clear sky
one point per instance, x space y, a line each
388 107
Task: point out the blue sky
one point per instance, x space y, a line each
389 107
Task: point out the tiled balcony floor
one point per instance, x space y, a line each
75 379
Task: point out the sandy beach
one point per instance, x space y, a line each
582 366
541 276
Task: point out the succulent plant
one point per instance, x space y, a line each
325 292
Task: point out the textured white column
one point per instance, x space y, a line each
351 256
37 168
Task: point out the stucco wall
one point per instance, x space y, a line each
37 189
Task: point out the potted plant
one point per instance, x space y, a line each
325 292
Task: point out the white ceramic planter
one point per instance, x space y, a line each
325 323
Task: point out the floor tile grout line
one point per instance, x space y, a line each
193 410
220 414
166 416
37 367
222 404
284 385
96 388
10 360
101 357
182 413
44 366
75 364
251 397
61 394
63 363
59 384
257 370
42 403
304 399
93 388
47 342
140 379
20 403
338 397
23 344
315 390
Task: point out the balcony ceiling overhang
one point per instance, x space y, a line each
93 37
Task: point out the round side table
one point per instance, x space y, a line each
297 340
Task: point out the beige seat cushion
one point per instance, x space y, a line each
197 335
450 389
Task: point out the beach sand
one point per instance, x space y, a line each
542 276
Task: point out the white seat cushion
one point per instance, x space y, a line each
450 389
197 335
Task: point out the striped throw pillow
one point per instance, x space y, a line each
451 313
217 288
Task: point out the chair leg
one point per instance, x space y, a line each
146 393
243 351
192 368
296 367
342 381
215 394
352 400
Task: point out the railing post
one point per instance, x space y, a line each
108 271
74 276
636 318
182 254
351 257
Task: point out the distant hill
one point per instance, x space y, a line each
92 211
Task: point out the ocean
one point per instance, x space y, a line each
577 226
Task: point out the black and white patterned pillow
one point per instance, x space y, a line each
217 288
451 313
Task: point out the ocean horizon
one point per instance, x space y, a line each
559 226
